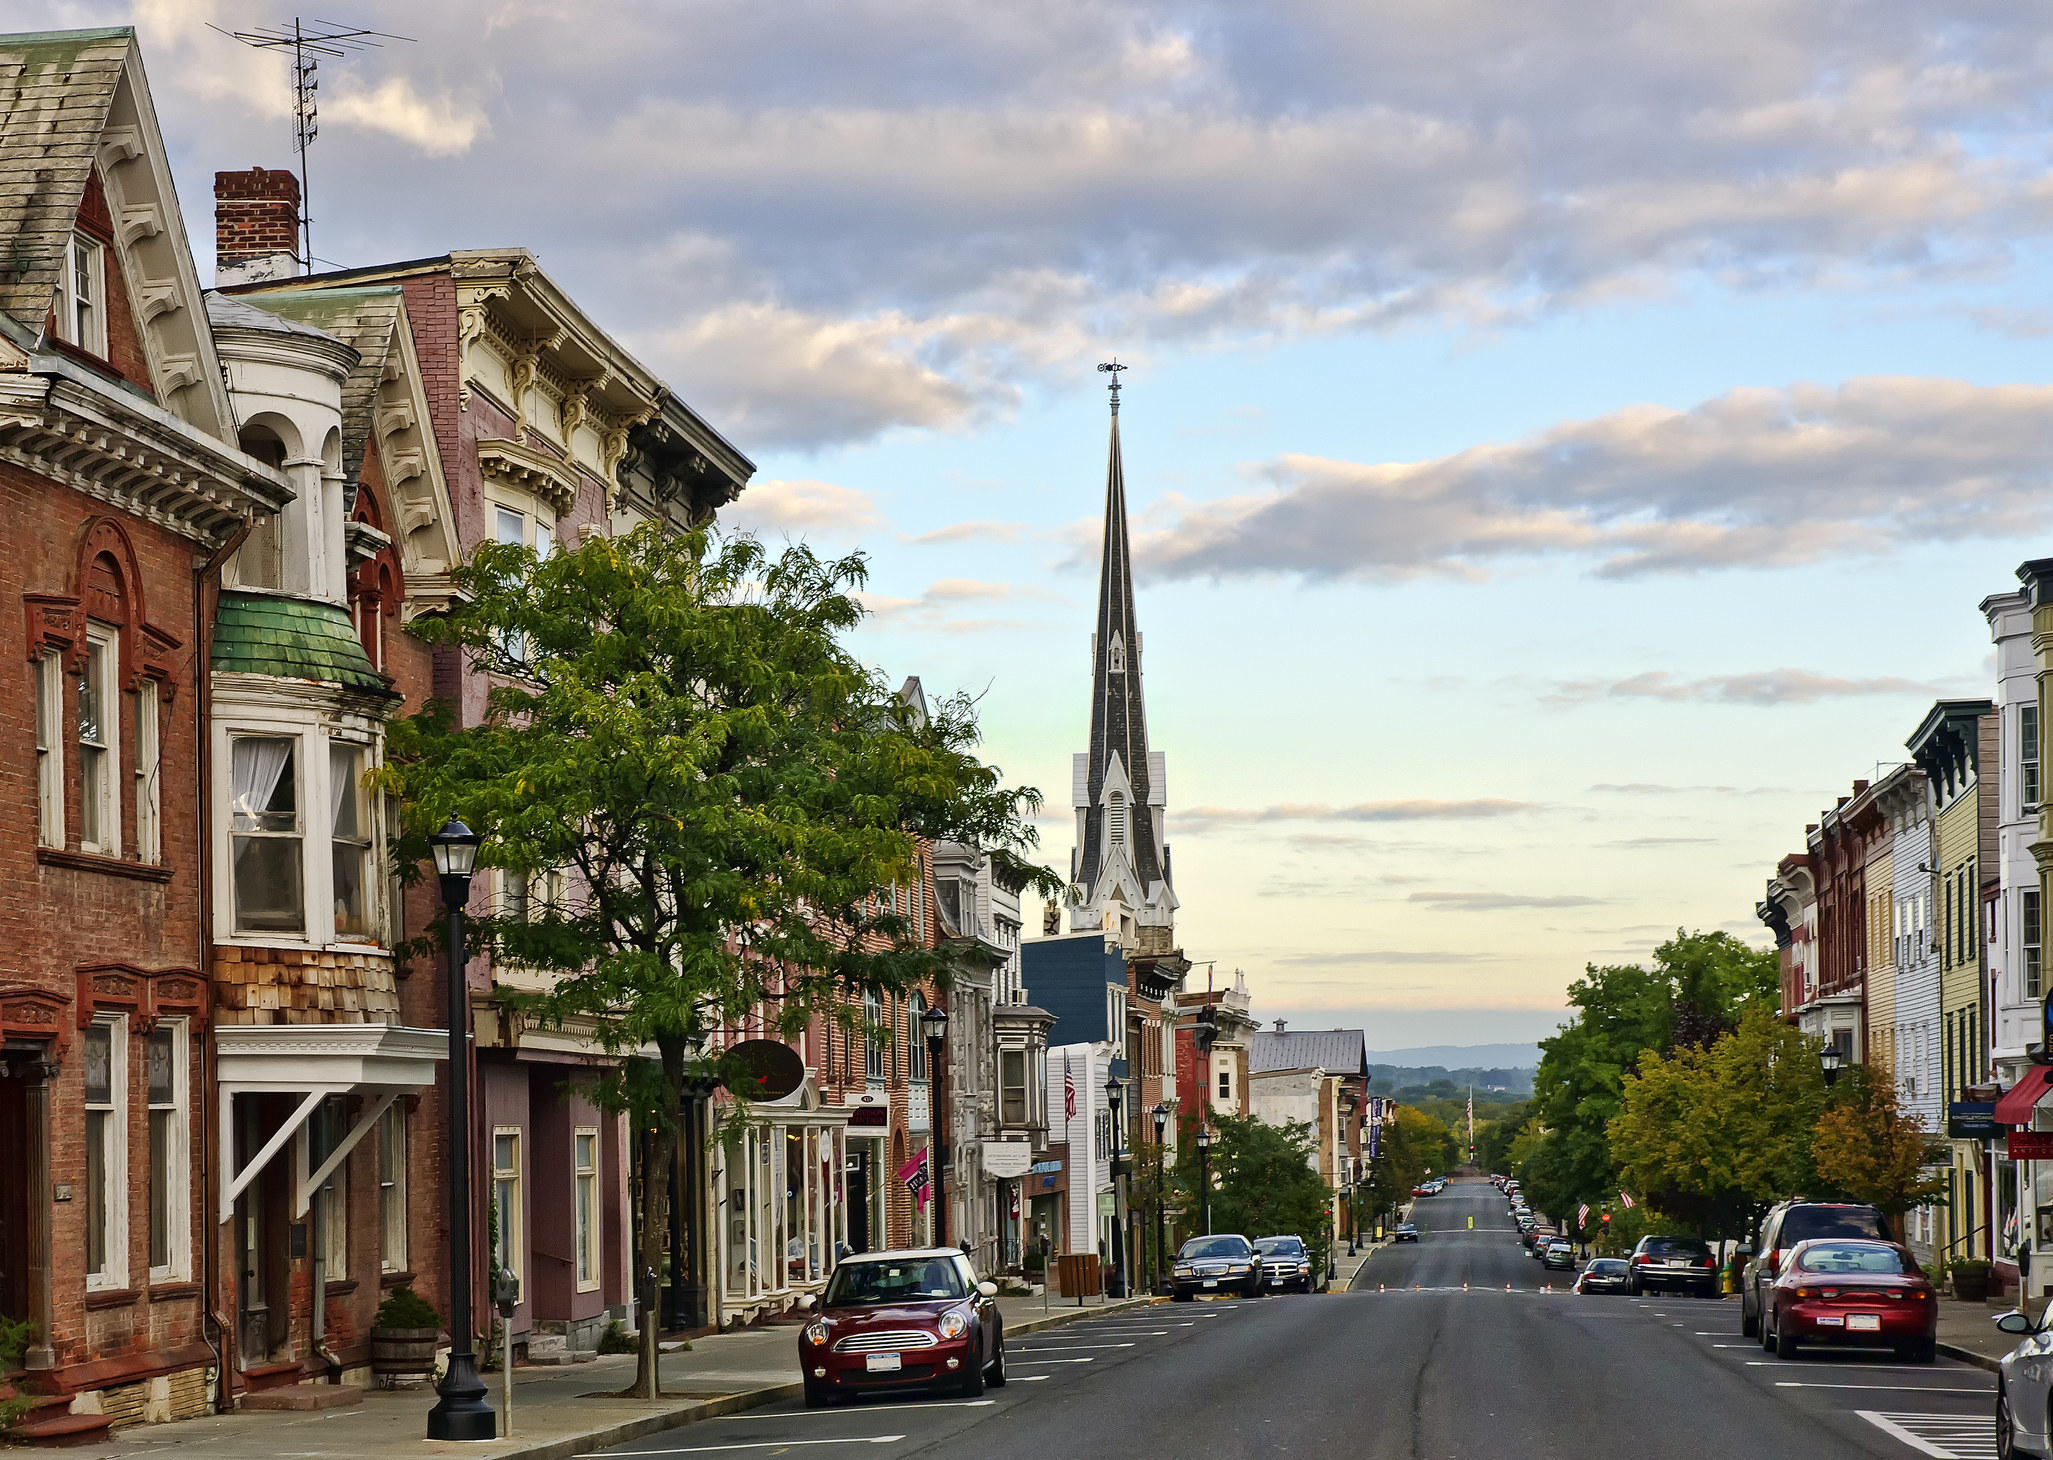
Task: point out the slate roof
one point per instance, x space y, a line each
56 88
366 320
292 638
1336 1051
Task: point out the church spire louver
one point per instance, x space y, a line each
1118 786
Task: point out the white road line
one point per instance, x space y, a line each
1886 1388
864 1409
1944 1436
1855 1368
758 1445
1058 1348
1030 1378
1037 1363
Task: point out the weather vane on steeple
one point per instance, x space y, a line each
1113 369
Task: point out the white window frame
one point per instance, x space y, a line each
585 1214
114 1152
102 672
509 1242
2030 757
149 760
84 257
305 792
392 1235
49 702
177 1172
367 820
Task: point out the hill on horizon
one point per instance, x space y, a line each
1461 1056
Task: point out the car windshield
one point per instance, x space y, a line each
1805 1223
1851 1257
1676 1247
1213 1247
895 1280
1280 1244
1604 1265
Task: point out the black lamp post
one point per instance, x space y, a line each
1114 1104
934 1024
1829 1060
461 1413
1161 1114
1204 1181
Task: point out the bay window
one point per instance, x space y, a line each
351 839
1012 1087
268 870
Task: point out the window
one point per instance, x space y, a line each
915 1040
268 893
166 1063
352 839
509 527
506 1197
1115 817
81 288
874 1036
2028 755
1115 1015
331 1212
106 1071
392 1188
1225 1085
585 1151
1012 1086
50 749
99 818
2033 980
545 539
149 822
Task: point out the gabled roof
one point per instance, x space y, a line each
1336 1051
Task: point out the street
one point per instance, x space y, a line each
1408 1366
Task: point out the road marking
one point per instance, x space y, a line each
1889 1388
1036 1363
1862 1368
1030 1378
1052 1348
1948 1437
863 1409
758 1445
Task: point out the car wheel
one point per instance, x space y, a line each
817 1396
996 1378
1749 1325
1179 1296
1925 1351
973 1378
2006 1428
1785 1346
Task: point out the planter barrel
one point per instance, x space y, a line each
1971 1286
400 1351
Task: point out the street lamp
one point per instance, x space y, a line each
1114 1105
934 1024
1829 1061
1161 1114
1204 1181
461 1413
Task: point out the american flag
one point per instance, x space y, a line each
1582 1216
1068 1090
1625 1201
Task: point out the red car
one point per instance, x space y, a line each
903 1320
1854 1291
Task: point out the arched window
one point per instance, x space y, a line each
1115 818
915 1040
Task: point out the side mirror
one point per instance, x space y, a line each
2016 1322
989 1290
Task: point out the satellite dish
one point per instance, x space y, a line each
770 1069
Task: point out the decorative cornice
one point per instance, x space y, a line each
530 470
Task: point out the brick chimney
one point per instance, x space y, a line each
256 226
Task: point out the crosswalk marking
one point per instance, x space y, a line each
1946 1436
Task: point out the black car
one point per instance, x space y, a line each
1405 1232
1789 1224
1605 1275
1286 1264
1220 1264
1674 1264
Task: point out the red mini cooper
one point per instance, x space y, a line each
1849 1290
901 1320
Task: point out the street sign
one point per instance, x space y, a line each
1972 1120
1007 1160
2031 1145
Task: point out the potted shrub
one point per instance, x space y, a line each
1970 1278
403 1336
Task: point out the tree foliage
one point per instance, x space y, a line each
1868 1150
676 729
1266 1182
1494 1138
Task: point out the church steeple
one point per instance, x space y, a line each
1117 786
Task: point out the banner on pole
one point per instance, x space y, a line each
914 1174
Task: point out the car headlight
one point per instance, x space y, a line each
954 1324
815 1333
1184 1269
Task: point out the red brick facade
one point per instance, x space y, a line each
255 213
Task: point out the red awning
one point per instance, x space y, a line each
2015 1108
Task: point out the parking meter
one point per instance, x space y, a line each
506 1292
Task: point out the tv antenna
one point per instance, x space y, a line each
308 40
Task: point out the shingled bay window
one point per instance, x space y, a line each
268 881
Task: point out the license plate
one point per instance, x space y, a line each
1864 1322
1678 1262
1211 1282
884 1363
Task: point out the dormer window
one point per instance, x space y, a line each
81 296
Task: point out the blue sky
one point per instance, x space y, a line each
1567 442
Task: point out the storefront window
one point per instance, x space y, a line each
737 1217
762 1264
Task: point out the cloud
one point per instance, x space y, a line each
1497 901
1753 478
798 507
1382 957
1764 688
1643 842
1200 818
940 602
440 126
970 532
1655 788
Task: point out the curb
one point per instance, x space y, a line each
1969 1356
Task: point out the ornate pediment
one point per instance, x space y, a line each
530 469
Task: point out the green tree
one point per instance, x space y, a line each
1868 1150
1493 1139
676 725
1266 1183
1712 1135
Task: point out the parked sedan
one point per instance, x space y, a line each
2024 1389
1560 1253
1220 1264
897 1320
1286 1264
1846 1290
1405 1232
1674 1264
1605 1275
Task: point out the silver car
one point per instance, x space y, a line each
2024 1390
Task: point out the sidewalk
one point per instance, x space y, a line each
557 1411
1347 1266
1968 1332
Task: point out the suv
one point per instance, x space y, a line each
1680 1263
1286 1263
1783 1228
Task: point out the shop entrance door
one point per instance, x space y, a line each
14 1195
859 1196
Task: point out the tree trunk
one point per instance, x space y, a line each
656 1184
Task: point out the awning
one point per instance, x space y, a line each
2014 1108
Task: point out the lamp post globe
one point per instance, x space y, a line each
460 1413
1829 1061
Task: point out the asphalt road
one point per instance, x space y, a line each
1407 1366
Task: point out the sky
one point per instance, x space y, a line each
1567 443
